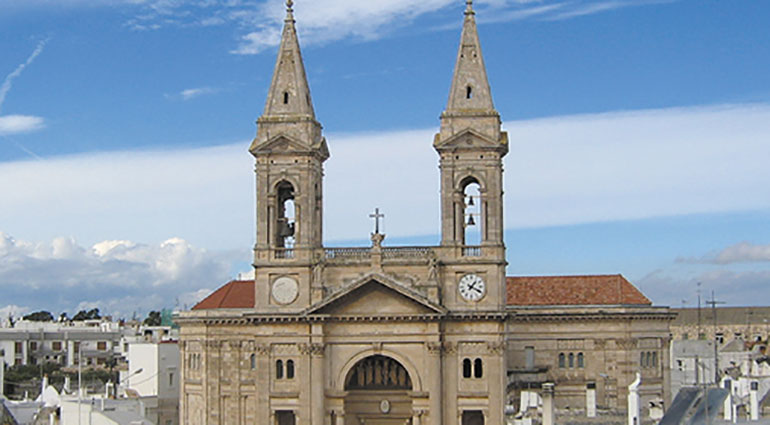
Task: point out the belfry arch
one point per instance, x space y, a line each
472 220
286 215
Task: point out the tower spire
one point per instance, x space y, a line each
470 87
289 107
289 93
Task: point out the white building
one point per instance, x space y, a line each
60 342
153 371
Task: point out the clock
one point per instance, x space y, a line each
472 287
285 290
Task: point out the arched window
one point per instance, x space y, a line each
289 369
580 360
469 92
571 360
253 361
466 368
285 98
561 360
654 359
279 369
478 370
641 359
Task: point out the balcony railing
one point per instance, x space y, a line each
284 253
471 251
341 253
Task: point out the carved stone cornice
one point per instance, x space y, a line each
626 343
262 349
450 348
435 348
313 349
496 347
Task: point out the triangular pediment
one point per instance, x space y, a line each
285 144
468 139
375 295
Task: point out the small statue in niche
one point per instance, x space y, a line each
432 267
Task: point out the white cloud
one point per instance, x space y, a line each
189 94
13 311
17 124
117 277
744 252
560 171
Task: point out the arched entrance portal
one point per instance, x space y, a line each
378 393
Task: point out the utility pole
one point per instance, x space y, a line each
714 303
698 291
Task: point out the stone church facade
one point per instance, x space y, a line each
364 335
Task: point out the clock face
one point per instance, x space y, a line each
472 287
285 290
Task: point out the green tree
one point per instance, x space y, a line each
87 315
39 316
153 319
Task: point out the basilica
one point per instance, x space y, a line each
411 335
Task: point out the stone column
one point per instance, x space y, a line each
317 383
263 413
548 413
434 382
633 401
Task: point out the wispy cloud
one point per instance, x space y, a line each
743 252
258 22
192 93
8 82
579 9
15 124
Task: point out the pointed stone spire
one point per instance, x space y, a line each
289 107
470 87
289 93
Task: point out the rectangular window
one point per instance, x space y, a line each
529 357
56 345
101 345
33 346
171 379
17 347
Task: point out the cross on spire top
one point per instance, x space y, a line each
376 216
289 9
469 7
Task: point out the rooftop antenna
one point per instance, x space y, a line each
714 303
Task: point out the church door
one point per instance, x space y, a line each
378 393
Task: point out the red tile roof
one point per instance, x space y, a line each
573 290
521 291
235 294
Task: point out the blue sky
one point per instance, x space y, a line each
639 138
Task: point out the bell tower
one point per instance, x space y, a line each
290 151
471 146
